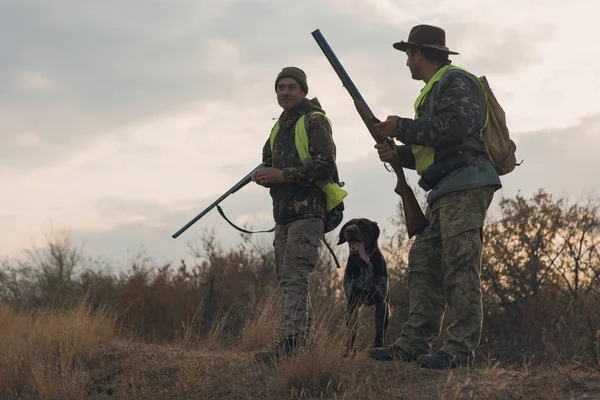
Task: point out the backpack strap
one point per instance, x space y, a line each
477 81
301 138
274 131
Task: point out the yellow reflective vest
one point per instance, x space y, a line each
333 192
425 155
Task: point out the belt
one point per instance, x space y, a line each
441 168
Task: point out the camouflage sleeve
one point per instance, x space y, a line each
459 113
406 156
322 151
267 156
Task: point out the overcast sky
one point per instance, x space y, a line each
121 120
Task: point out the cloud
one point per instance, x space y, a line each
572 173
149 225
562 161
32 80
124 118
102 68
91 70
498 50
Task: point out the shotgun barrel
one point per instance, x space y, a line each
243 182
416 222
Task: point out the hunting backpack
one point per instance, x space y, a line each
499 147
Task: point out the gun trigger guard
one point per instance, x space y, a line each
390 142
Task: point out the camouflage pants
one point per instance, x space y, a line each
296 254
444 268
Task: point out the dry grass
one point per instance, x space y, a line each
76 355
321 371
261 328
44 354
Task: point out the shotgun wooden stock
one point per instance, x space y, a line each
416 222
413 215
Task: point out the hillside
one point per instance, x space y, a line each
130 371
80 355
71 327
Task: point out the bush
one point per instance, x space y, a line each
540 276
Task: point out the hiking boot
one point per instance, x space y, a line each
392 353
440 360
283 348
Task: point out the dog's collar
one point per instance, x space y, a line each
372 253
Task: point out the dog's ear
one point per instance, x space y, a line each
342 239
376 231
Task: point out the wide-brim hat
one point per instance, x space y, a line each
426 36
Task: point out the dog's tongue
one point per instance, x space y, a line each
356 246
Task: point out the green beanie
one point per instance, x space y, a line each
295 73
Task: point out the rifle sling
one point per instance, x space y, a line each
220 210
337 263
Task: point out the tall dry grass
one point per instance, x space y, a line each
321 370
62 355
260 329
43 354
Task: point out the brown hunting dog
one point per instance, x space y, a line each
366 280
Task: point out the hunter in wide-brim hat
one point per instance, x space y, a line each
425 36
445 142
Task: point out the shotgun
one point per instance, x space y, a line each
243 182
413 215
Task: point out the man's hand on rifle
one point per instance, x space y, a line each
387 128
268 176
388 155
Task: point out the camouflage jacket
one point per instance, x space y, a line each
449 119
299 196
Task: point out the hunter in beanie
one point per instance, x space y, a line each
300 205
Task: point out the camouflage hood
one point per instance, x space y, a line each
289 117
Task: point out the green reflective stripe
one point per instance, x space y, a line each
301 138
423 150
436 77
334 194
424 155
273 134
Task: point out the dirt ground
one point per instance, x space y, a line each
140 371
